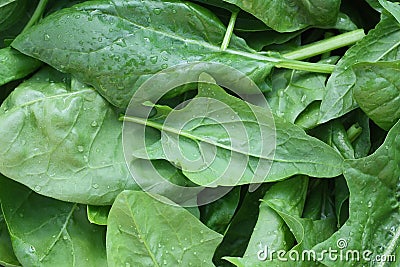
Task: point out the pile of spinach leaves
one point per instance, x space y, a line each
328 70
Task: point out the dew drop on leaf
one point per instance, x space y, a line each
32 249
157 11
80 148
95 186
38 188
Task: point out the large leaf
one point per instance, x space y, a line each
374 206
14 65
142 231
116 45
63 141
380 44
215 140
288 16
377 91
60 236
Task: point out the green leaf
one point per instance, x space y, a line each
7 256
288 16
286 200
14 65
240 229
115 46
374 219
56 135
10 11
392 8
60 236
292 91
218 214
377 91
142 231
98 214
380 44
209 140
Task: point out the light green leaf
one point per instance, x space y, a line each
142 231
377 91
288 16
63 141
380 44
115 46
215 140
14 65
60 236
98 214
374 219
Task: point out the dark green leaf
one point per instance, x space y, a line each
377 91
142 231
218 214
374 205
7 256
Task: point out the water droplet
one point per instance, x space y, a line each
195 253
164 66
159 245
46 37
173 11
95 186
369 204
21 215
81 148
94 123
146 39
153 59
303 98
173 248
127 264
38 188
77 16
165 262
100 39
32 249
65 237
157 11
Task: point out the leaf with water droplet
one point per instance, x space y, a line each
198 39
45 222
52 117
375 177
156 221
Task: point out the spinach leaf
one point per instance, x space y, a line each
374 205
288 16
136 37
212 132
286 199
144 231
392 8
10 12
380 44
98 214
292 91
7 256
60 236
14 65
217 215
377 91
57 135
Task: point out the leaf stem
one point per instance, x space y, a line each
326 45
36 15
353 132
229 30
